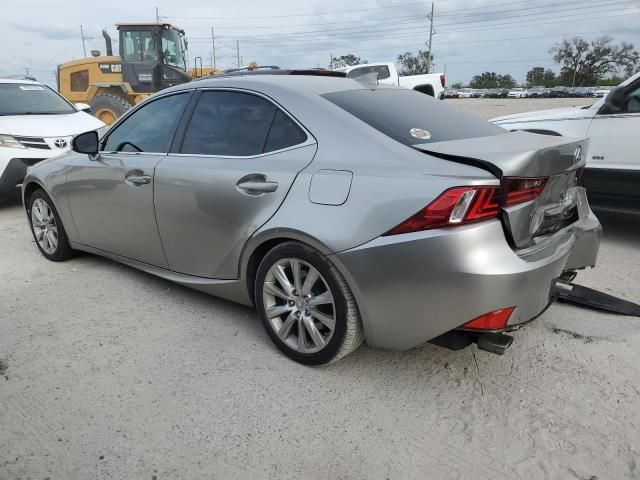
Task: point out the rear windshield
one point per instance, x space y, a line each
31 99
411 117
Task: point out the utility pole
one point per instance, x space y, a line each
238 51
157 16
431 32
27 70
84 48
213 45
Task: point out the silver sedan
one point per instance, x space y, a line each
342 211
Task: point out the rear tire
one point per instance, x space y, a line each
108 107
47 229
314 319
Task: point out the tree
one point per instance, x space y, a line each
549 78
415 64
585 63
346 60
457 85
535 76
492 80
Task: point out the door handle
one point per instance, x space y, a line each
256 184
138 180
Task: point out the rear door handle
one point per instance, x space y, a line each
256 184
138 179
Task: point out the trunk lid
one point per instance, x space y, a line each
526 155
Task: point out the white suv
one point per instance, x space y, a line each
36 123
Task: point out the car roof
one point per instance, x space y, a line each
303 84
19 80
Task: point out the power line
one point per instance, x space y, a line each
304 14
358 30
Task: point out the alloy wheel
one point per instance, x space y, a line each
299 305
44 226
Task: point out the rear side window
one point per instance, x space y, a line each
239 125
410 117
283 133
381 70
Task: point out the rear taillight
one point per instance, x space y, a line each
462 205
442 80
495 320
521 189
456 206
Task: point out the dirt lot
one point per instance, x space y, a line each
108 372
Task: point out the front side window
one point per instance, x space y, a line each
31 99
238 124
172 49
631 103
150 128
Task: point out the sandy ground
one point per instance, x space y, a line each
107 372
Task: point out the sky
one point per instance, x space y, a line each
471 36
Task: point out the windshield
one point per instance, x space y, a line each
31 99
172 49
139 47
411 117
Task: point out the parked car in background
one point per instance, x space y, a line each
36 123
479 93
449 93
465 93
538 92
559 92
583 92
497 93
602 92
518 93
612 174
341 210
430 83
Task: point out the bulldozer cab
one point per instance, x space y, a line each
153 56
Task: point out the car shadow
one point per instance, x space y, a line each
622 229
10 200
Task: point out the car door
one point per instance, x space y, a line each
613 136
613 167
238 157
111 196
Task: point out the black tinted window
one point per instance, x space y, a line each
229 123
149 129
405 115
283 133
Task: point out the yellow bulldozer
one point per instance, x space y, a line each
152 57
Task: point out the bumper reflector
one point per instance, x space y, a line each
490 321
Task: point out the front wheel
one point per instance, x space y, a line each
47 228
306 306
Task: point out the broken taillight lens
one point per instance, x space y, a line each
523 189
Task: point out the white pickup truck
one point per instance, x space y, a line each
429 83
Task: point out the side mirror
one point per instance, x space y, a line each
83 107
614 101
86 143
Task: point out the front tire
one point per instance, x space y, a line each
47 229
306 306
108 107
